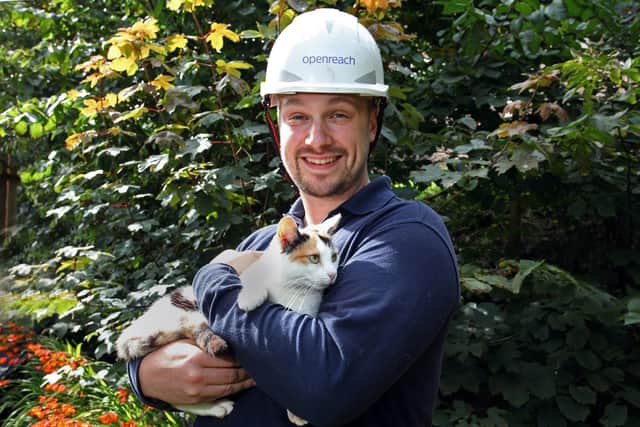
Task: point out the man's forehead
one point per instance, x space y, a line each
329 98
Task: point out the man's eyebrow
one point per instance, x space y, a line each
292 100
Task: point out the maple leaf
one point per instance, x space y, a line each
73 94
72 141
187 5
145 30
217 34
232 67
373 5
176 41
124 64
162 82
514 128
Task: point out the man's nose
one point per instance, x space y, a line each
317 134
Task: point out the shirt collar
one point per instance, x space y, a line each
369 198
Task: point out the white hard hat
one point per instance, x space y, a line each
325 51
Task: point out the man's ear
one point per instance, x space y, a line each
373 122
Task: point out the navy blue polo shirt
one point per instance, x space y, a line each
373 355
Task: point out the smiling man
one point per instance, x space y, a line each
372 356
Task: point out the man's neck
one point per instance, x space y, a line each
316 209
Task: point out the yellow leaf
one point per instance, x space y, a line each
111 100
217 34
157 49
72 141
93 79
373 5
91 107
73 94
174 4
123 64
133 114
187 5
162 82
114 52
232 67
176 41
146 30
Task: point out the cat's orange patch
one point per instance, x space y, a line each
302 252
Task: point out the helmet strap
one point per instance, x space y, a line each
382 104
266 104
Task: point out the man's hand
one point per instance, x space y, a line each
181 373
238 260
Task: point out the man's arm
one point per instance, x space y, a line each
392 299
182 373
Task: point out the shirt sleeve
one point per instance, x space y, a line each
133 367
392 299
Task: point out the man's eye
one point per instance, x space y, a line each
314 259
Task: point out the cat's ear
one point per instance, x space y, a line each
330 225
287 232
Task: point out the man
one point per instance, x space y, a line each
372 356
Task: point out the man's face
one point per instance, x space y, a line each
325 141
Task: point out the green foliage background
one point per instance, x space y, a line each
517 120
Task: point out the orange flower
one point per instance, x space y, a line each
123 395
128 424
55 387
68 409
4 383
38 412
108 418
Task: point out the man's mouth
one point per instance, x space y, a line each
321 161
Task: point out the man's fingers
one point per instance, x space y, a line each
218 391
223 376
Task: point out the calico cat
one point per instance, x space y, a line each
294 271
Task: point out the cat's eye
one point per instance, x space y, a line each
334 257
314 259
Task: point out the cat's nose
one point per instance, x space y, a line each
332 275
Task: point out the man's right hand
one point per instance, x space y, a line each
181 373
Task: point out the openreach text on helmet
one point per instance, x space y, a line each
325 59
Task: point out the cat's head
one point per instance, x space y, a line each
311 256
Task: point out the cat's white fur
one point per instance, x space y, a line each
297 286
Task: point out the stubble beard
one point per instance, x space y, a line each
349 181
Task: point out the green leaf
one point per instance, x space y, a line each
512 389
572 410
155 163
36 130
583 394
614 415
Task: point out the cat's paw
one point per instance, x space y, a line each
296 419
250 297
132 347
211 343
218 409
